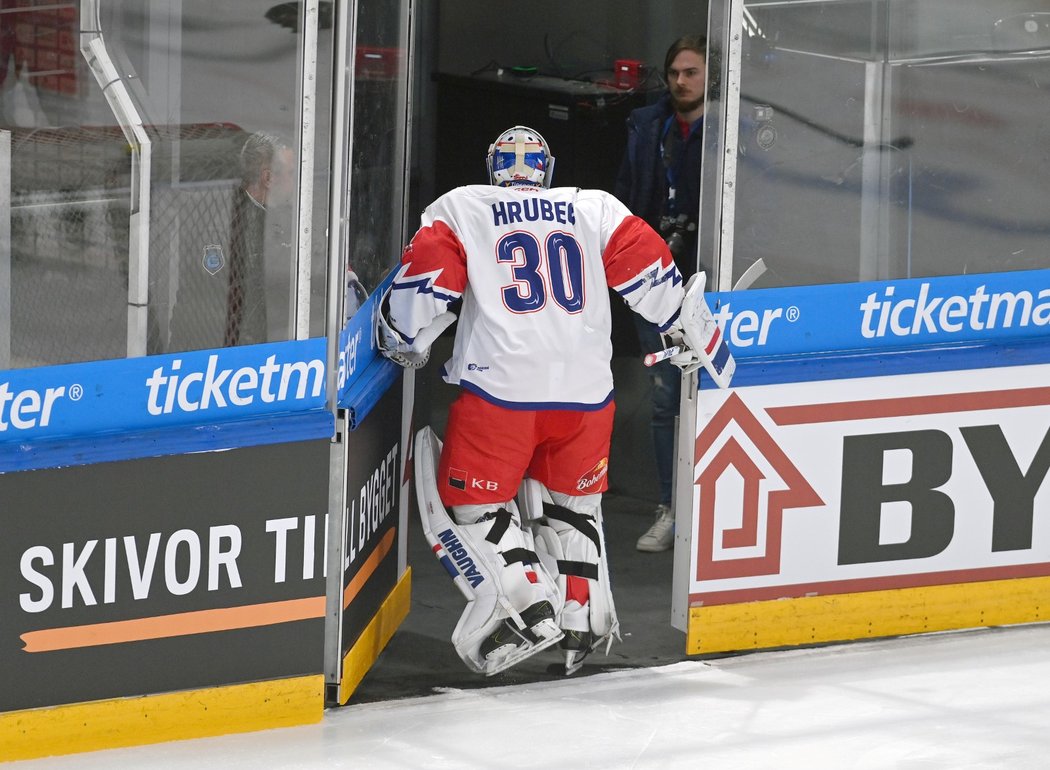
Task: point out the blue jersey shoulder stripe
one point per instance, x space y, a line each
423 286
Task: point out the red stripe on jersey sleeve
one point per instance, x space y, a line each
634 246
437 247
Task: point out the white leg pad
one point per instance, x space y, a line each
508 553
578 541
494 589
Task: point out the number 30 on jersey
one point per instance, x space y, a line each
554 267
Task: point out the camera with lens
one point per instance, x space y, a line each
678 232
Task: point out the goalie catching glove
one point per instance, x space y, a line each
414 353
696 338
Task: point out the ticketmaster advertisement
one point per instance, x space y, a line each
808 487
182 398
886 315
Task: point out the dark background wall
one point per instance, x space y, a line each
575 37
578 40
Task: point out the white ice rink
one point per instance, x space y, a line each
978 699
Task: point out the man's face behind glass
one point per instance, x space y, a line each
685 80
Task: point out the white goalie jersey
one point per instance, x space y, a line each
532 266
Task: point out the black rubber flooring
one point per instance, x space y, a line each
420 659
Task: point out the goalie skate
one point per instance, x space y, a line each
509 644
580 649
580 642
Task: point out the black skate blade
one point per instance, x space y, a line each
559 669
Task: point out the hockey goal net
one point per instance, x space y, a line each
69 204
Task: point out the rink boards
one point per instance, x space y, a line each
166 571
868 493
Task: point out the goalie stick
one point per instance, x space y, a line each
652 359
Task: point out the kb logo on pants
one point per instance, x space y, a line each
459 479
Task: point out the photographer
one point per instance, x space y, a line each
659 181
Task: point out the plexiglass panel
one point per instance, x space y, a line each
880 139
152 183
377 189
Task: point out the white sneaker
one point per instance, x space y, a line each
661 535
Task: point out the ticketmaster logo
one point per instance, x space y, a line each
935 315
171 389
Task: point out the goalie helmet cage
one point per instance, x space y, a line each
69 243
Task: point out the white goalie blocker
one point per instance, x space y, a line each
471 569
698 339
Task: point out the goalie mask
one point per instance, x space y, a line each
520 156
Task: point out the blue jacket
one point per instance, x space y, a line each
643 179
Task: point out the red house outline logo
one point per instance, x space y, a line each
797 494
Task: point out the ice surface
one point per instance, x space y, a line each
977 699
